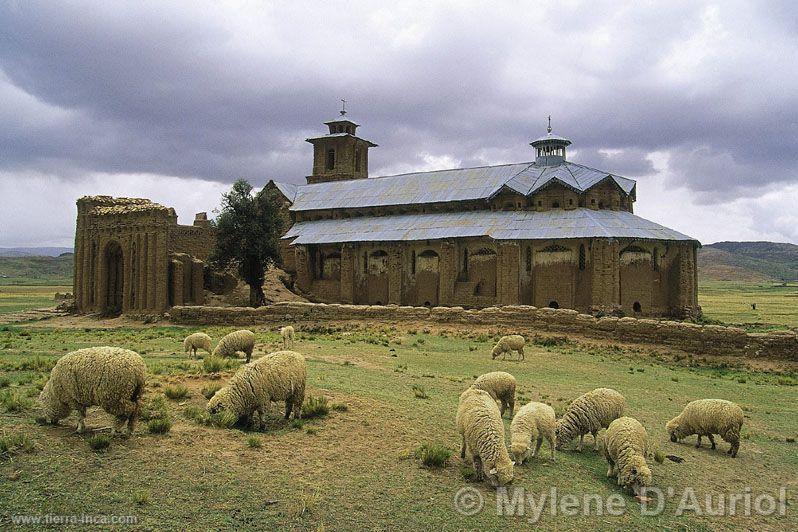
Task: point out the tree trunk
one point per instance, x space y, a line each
256 296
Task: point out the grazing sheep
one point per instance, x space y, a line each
234 342
278 376
508 344
706 417
626 448
287 333
196 341
533 422
480 425
109 377
589 413
501 386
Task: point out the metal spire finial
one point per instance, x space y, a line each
549 128
343 107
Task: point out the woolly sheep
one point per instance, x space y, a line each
234 342
196 341
109 377
626 448
482 430
589 413
706 417
533 422
287 333
508 344
278 376
501 386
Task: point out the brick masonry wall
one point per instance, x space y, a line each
699 339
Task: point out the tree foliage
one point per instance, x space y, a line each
249 228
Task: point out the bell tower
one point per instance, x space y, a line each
340 155
550 150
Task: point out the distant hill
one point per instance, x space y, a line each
748 261
36 270
34 252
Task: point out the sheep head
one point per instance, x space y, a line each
520 451
636 475
500 473
672 427
50 408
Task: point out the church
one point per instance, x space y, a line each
548 233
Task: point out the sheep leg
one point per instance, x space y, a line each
711 440
479 473
249 354
595 440
521 352
552 446
502 408
511 404
463 449
81 420
698 443
537 446
611 468
289 406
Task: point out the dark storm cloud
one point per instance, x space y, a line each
208 91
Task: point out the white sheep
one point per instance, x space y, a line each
109 377
508 344
482 430
278 376
626 448
589 413
533 422
287 334
501 386
230 344
706 417
196 341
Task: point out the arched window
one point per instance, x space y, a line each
330 159
581 256
528 259
555 204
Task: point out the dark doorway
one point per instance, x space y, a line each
114 284
636 307
554 304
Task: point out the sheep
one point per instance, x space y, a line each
625 448
279 376
109 377
706 417
196 341
501 386
508 344
533 422
589 413
234 342
482 430
287 333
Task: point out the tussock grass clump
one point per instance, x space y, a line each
659 457
467 472
210 390
5 382
433 455
13 401
315 407
254 442
99 442
159 426
419 392
549 341
340 407
213 364
15 443
176 392
155 409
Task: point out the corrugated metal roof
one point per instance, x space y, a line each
287 189
499 225
438 186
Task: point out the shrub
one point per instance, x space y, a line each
420 392
315 407
254 442
99 442
159 426
15 443
433 455
176 392
297 423
12 401
213 364
210 390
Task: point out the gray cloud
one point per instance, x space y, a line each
213 92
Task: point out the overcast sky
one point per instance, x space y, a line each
174 100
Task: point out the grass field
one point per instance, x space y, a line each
354 468
730 302
19 298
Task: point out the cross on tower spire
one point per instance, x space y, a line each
549 128
343 107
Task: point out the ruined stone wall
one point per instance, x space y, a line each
192 240
706 339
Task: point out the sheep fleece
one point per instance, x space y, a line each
234 342
482 430
532 422
500 385
709 416
626 447
278 376
589 413
507 344
196 341
109 377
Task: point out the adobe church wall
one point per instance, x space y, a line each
699 339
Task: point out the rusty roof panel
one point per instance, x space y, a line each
500 225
